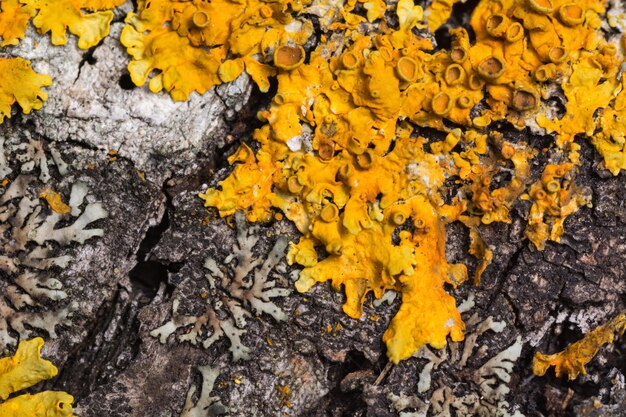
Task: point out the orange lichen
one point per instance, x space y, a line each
351 204
54 201
288 57
343 156
555 197
587 91
57 17
188 42
285 393
490 203
353 194
438 13
20 84
23 370
555 36
573 359
610 139
14 17
249 185
184 69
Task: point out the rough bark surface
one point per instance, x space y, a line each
318 362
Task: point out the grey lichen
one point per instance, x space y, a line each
491 380
30 238
456 358
233 295
403 402
206 405
494 379
31 155
5 169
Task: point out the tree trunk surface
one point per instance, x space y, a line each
146 158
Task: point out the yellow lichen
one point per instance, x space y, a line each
14 17
23 370
188 42
573 359
20 84
438 13
610 139
54 201
183 69
231 69
555 197
57 17
342 153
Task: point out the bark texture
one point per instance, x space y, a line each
317 362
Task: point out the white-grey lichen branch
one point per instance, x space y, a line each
206 405
233 295
491 380
31 238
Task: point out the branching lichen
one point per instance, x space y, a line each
492 380
455 357
232 296
31 231
206 405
